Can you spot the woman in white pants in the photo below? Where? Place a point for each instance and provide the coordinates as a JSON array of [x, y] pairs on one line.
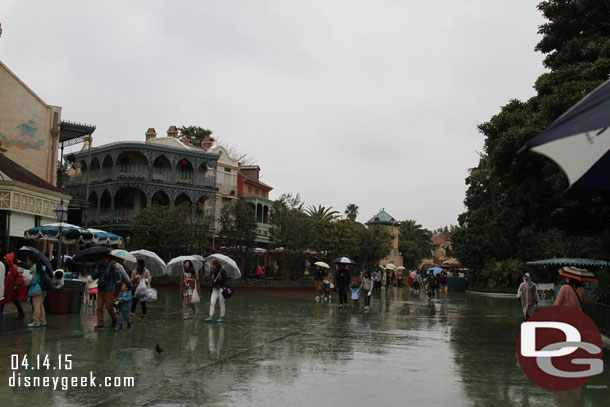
[[218, 277]]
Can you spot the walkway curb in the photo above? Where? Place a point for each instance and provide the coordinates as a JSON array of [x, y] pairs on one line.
[[488, 294]]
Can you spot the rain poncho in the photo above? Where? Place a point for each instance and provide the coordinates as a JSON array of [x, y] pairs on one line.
[[529, 297]]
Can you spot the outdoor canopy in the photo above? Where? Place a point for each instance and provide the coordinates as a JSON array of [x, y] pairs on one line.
[[70, 233], [579, 141], [568, 262]]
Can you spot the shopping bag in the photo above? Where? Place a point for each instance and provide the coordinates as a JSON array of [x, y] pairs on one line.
[[141, 290], [151, 295], [195, 297]]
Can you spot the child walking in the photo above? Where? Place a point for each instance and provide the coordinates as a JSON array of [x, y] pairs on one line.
[[355, 295], [124, 306]]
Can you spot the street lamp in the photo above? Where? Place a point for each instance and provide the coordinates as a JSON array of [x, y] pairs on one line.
[[61, 213], [127, 240]]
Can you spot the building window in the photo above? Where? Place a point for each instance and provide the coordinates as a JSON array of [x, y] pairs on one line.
[[227, 170], [249, 189], [256, 191]]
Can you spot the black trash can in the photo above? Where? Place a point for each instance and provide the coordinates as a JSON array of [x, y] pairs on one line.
[[76, 288]]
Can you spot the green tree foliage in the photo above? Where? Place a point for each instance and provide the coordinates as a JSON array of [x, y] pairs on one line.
[[374, 243], [321, 213], [194, 133], [414, 243], [169, 231], [237, 226], [516, 201], [351, 212]]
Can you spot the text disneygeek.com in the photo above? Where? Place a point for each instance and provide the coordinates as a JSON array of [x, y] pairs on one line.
[[44, 364]]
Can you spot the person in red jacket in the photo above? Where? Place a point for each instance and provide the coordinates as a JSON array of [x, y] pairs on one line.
[[14, 287]]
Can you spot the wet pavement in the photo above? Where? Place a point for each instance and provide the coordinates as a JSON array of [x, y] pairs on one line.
[[285, 349]]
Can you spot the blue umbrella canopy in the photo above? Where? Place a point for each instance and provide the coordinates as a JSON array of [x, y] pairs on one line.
[[579, 141], [568, 262], [101, 237], [70, 233]]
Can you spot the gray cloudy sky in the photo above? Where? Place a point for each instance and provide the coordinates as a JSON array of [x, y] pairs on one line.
[[370, 102]]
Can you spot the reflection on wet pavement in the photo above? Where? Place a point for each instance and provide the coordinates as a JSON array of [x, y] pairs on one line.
[[284, 348]]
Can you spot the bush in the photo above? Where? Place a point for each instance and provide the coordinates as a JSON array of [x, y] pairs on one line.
[[500, 276]]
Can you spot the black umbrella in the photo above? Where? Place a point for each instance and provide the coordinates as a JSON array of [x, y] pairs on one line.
[[91, 254], [579, 141], [25, 251]]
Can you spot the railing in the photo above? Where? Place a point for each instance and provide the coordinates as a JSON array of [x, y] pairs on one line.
[[145, 173], [126, 215], [600, 313]]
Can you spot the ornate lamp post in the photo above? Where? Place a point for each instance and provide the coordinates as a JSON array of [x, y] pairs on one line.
[[61, 213], [127, 241]]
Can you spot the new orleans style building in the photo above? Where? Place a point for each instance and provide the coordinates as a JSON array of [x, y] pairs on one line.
[[115, 180]]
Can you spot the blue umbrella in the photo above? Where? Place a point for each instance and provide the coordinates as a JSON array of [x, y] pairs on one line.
[[344, 260], [579, 141], [435, 270], [101, 237], [25, 251], [70, 233]]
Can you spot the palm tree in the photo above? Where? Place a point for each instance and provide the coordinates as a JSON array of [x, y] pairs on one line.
[[351, 211], [322, 213], [410, 231]]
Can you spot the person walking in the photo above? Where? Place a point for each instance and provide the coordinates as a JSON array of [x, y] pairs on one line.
[[12, 286], [91, 290], [189, 282], [318, 277], [571, 295], [342, 282], [218, 277], [366, 287], [528, 295], [125, 306], [108, 277], [431, 285], [326, 284], [140, 273], [36, 292]]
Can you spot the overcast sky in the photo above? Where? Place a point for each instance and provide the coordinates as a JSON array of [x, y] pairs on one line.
[[370, 102]]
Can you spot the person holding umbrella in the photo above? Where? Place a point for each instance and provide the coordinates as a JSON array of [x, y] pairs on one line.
[[218, 277], [35, 291], [318, 276], [108, 277], [140, 273], [342, 281], [189, 282], [571, 294]]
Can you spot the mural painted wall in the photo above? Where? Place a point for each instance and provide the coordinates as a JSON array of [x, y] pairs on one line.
[[29, 128]]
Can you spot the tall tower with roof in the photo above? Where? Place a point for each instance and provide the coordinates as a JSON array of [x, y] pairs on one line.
[[385, 220]]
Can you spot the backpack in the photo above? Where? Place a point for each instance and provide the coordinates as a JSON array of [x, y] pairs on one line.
[[45, 281]]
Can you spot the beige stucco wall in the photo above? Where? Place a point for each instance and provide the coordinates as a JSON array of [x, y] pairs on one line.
[[225, 181], [26, 124], [394, 256]]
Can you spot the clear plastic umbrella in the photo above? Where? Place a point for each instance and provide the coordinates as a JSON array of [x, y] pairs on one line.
[[228, 265], [155, 264], [175, 266]]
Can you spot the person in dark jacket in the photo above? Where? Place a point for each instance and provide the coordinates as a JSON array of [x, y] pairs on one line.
[[108, 276], [342, 282], [218, 277]]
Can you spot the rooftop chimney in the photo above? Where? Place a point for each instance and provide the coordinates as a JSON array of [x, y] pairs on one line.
[[172, 132], [207, 143], [150, 134]]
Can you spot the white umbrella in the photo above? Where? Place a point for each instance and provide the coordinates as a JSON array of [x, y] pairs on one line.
[[175, 266], [155, 264], [228, 265], [390, 266], [401, 268], [321, 264]]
